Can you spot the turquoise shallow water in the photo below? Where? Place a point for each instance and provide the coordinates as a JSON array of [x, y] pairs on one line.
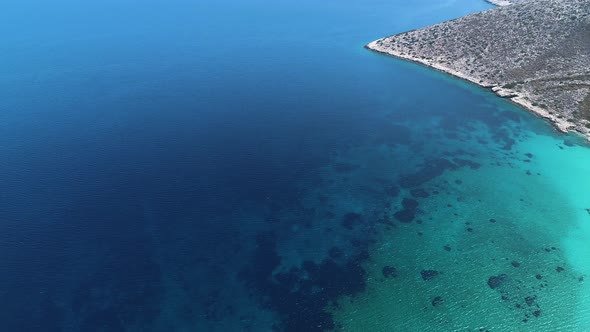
[[248, 166], [521, 215]]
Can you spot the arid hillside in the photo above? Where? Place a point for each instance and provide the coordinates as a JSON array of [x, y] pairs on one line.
[[537, 53]]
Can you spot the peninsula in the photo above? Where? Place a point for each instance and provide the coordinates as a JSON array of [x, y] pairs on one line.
[[535, 53]]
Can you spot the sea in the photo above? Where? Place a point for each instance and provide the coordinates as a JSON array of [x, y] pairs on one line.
[[246, 165]]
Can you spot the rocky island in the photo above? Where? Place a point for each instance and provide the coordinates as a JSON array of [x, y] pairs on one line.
[[535, 53]]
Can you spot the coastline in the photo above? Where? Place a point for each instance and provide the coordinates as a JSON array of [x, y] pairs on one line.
[[517, 98], [497, 50]]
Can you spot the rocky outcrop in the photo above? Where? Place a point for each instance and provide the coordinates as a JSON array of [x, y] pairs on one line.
[[535, 53]]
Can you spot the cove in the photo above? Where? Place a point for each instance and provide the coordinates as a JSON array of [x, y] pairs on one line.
[[248, 166]]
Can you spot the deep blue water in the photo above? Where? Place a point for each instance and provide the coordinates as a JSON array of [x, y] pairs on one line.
[[156, 155]]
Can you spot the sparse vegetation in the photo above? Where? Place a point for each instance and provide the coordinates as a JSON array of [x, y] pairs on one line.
[[508, 47], [510, 85]]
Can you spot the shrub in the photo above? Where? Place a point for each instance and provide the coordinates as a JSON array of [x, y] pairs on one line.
[[509, 85]]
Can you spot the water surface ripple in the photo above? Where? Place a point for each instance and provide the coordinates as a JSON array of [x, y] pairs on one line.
[[247, 166]]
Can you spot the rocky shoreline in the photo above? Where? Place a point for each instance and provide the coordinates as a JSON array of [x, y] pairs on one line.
[[559, 124], [541, 62]]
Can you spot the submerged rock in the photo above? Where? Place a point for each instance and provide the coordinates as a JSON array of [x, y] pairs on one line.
[[497, 281], [351, 219], [392, 191], [430, 170], [410, 203], [419, 192], [300, 296], [437, 301], [530, 300], [468, 163], [389, 271], [405, 215], [429, 274]]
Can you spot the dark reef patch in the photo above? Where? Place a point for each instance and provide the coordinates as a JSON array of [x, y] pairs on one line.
[[512, 116], [410, 204], [429, 274], [430, 170], [530, 300], [263, 261], [389, 271], [497, 281], [392, 190], [405, 216], [351, 219], [437, 301], [464, 162], [408, 213], [516, 294], [502, 137], [300, 296], [419, 193]]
